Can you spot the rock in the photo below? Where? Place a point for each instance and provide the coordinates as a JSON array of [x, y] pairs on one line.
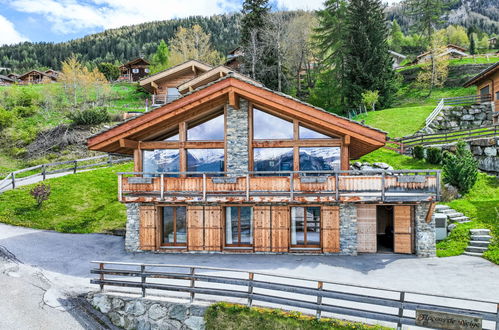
[[467, 117], [196, 310], [357, 165], [383, 166], [490, 151], [451, 227], [477, 151], [449, 193], [195, 323], [117, 319], [118, 303], [167, 324], [143, 325], [178, 312], [102, 303], [367, 168], [157, 311], [136, 308]]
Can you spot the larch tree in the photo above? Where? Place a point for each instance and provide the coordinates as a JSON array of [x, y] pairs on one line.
[[160, 58], [193, 44], [434, 74], [396, 39], [368, 63]]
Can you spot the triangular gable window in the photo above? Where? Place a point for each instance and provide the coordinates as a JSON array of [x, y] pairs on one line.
[[306, 133], [211, 130], [269, 127]]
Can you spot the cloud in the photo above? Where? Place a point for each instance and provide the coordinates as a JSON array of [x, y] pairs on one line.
[[9, 34], [300, 4]]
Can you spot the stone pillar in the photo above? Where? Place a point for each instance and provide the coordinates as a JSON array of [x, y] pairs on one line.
[[348, 229], [425, 232], [132, 243], [237, 137]]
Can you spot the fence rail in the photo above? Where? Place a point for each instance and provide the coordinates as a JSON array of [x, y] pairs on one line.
[[312, 295], [459, 100], [14, 178]]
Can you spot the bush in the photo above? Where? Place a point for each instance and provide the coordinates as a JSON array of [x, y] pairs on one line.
[[25, 111], [418, 152], [434, 155], [92, 116], [40, 193], [6, 118], [460, 169]]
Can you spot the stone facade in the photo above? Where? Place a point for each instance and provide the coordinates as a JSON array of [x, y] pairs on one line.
[[462, 117], [132, 227], [146, 314], [425, 232], [237, 136], [348, 229]]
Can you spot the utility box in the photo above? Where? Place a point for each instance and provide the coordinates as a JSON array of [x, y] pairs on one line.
[[440, 226]]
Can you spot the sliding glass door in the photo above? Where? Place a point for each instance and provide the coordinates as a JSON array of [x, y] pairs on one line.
[[174, 223], [305, 227], [238, 226]]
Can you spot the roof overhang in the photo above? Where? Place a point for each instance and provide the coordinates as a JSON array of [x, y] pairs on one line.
[[483, 75], [146, 127]]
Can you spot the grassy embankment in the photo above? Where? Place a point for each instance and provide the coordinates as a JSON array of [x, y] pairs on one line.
[[479, 59]]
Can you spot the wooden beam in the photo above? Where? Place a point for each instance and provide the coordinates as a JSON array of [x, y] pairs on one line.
[[154, 85], [130, 144], [296, 143], [345, 153], [233, 100], [430, 212], [186, 145]]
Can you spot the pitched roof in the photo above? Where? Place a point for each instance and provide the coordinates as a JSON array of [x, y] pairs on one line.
[[35, 71], [135, 61], [174, 69], [364, 139], [2, 77], [483, 74], [396, 54]]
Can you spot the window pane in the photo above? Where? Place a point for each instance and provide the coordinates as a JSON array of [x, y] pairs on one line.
[[238, 225], [306, 133], [168, 235], [297, 226], [273, 159], [319, 159], [246, 225], [229, 231], [161, 160], [181, 225], [205, 160], [313, 225], [211, 130], [266, 126]]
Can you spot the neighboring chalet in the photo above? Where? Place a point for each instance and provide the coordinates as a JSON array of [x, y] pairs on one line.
[[234, 58], [13, 76], [451, 51], [232, 166], [493, 43], [134, 70], [52, 72], [6, 80], [397, 59], [36, 77], [487, 83]]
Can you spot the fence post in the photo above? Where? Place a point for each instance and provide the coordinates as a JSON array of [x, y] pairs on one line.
[[75, 167], [101, 277], [250, 289], [192, 283], [13, 180], [437, 188], [120, 187], [247, 187], [291, 186], [337, 186], [320, 284], [110, 159], [401, 310], [162, 186], [204, 187], [43, 172], [143, 279]]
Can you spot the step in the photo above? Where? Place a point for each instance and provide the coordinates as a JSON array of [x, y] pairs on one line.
[[459, 219], [455, 214], [474, 254], [476, 249], [439, 208], [448, 211], [481, 237], [479, 243], [480, 231]]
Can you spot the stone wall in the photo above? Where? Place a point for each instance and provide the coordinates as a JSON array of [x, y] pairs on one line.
[[458, 74], [462, 117], [132, 227], [425, 232], [237, 138], [146, 314], [348, 229]]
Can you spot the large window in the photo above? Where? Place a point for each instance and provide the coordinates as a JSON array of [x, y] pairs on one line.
[[238, 226], [174, 226], [266, 126], [273, 159], [205, 160], [306, 133], [305, 226], [161, 160], [211, 130], [320, 159]]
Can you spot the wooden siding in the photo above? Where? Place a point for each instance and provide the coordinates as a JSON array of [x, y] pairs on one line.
[[493, 82], [402, 225], [262, 228], [213, 228], [330, 229], [280, 219], [148, 227], [366, 228], [195, 228]]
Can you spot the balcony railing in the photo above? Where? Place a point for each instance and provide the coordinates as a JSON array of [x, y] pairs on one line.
[[284, 186], [163, 99]]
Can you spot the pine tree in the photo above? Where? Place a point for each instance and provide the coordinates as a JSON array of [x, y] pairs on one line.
[[427, 15], [254, 18], [160, 58], [396, 37], [472, 44], [368, 63]]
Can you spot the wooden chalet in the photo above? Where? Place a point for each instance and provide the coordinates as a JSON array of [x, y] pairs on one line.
[[164, 84], [5, 80], [52, 72], [235, 167], [397, 59], [487, 83], [234, 58], [451, 51], [36, 77], [134, 70], [13, 76]]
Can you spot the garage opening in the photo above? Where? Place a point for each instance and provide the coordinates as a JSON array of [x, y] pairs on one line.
[[384, 228]]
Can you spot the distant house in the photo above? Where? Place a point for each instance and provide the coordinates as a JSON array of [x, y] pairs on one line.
[[234, 58], [451, 50], [397, 59], [487, 83], [5, 80], [14, 76], [53, 73], [36, 77], [493, 43], [134, 70]]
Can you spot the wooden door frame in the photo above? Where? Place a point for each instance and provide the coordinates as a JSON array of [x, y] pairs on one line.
[[159, 234], [303, 247], [224, 228]]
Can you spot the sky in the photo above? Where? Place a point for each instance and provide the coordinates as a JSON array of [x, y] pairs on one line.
[[62, 20]]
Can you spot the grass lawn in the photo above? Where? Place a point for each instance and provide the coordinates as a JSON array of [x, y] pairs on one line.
[[480, 59], [85, 202], [410, 96], [398, 122]]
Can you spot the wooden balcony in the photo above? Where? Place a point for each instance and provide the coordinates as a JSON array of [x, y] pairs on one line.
[[288, 187]]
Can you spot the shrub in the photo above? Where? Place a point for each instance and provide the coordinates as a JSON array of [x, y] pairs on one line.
[[6, 118], [460, 169], [418, 152], [25, 111], [434, 155], [40, 193], [91, 116]]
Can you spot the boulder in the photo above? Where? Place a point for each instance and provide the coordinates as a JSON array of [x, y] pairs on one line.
[[178, 312], [477, 151], [118, 303], [490, 151], [157, 312], [117, 319], [136, 308], [102, 303], [451, 227], [195, 323], [449, 193]]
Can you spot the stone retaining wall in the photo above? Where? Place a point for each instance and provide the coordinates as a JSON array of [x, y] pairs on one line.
[[463, 117], [146, 314], [425, 232], [348, 229]]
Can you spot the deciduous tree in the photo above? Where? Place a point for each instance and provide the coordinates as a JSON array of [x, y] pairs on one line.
[[160, 58], [193, 44]]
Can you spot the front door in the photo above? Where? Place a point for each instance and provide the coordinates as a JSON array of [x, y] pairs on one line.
[[366, 228], [402, 225]]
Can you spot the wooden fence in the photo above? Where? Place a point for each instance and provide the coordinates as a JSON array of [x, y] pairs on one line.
[[285, 291], [460, 100], [12, 179]]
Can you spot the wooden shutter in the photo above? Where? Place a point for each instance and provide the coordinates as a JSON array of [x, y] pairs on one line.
[[261, 228], [195, 222], [366, 228], [148, 227], [212, 228], [280, 228], [402, 226], [330, 229]]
